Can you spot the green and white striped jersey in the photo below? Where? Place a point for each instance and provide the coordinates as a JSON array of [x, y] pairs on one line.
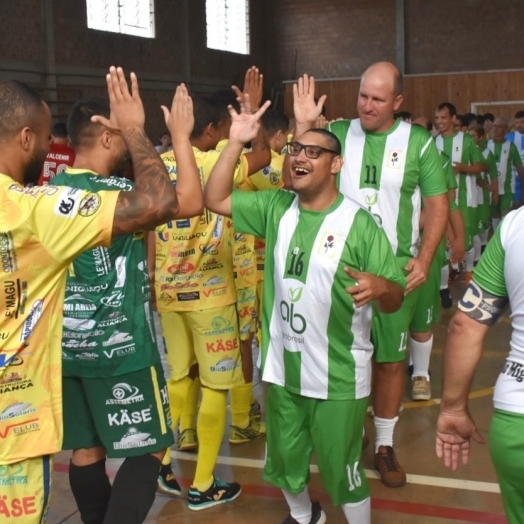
[[484, 195], [314, 341], [388, 173], [462, 148], [507, 156]]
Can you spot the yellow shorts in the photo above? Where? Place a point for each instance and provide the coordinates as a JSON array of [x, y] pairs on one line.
[[246, 308], [208, 338], [25, 488]]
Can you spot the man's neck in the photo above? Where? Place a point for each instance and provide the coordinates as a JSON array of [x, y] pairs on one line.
[[449, 132], [90, 162], [319, 202]]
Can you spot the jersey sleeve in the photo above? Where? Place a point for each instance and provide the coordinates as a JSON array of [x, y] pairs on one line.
[[432, 176], [489, 272], [70, 220], [451, 181], [210, 158], [515, 156], [250, 210], [475, 154], [376, 254]]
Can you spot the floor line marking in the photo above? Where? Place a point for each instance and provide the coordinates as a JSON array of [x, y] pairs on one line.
[[424, 480]]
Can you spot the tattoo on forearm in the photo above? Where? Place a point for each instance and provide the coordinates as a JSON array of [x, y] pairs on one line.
[[482, 306], [145, 206]]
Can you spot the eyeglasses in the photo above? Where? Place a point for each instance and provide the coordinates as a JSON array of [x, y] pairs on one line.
[[294, 148]]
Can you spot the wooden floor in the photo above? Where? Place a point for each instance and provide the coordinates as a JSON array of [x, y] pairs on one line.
[[433, 494]]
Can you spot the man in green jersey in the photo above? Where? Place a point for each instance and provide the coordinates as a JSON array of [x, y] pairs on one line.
[[115, 396], [389, 166], [467, 163], [508, 158], [328, 260], [487, 189]]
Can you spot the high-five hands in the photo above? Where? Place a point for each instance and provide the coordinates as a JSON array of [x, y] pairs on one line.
[[306, 109], [180, 119]]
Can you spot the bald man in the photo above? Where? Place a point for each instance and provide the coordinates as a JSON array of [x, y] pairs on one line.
[[389, 166]]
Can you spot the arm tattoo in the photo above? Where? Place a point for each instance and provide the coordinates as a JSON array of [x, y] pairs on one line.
[[482, 306], [153, 201]]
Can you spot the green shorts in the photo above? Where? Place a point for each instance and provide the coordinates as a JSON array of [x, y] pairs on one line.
[[389, 331], [128, 415], [471, 225], [506, 445], [484, 217], [427, 310], [297, 426], [504, 206]]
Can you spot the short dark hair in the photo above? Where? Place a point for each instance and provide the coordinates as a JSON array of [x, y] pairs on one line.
[[477, 128], [449, 106], [206, 112], [20, 106], [471, 117], [79, 126], [480, 119], [224, 98], [463, 119], [519, 114], [59, 130], [274, 121], [489, 116], [403, 115], [334, 142]]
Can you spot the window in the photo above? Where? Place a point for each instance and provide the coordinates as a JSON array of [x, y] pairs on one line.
[[132, 17], [228, 25]]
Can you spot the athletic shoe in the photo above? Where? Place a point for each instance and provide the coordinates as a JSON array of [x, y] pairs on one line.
[[219, 493], [317, 516], [255, 411], [445, 298], [420, 388], [252, 431], [186, 440], [391, 472], [167, 484]]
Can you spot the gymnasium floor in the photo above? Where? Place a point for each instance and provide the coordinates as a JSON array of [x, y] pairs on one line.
[[433, 495]]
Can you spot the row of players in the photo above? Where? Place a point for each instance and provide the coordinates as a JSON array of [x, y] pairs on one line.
[[110, 358]]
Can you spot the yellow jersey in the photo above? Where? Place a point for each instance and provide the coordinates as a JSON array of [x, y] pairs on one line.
[[42, 229], [194, 262]]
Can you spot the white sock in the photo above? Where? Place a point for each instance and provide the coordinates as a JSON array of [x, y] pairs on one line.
[[477, 246], [483, 238], [421, 352], [358, 513], [444, 277], [299, 505], [495, 223], [470, 259], [384, 428], [455, 266]]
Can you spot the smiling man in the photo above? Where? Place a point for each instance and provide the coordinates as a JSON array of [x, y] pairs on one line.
[[389, 166], [322, 250]]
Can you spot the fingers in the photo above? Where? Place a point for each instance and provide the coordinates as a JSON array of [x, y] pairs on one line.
[[134, 86], [263, 109], [167, 114], [121, 89], [102, 120], [110, 89], [352, 273]]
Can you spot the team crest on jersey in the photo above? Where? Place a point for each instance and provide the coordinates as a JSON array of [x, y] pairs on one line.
[[329, 243], [163, 236], [395, 159]]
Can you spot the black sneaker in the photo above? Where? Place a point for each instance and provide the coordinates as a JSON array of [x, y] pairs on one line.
[[219, 493], [167, 484], [317, 515], [445, 298]]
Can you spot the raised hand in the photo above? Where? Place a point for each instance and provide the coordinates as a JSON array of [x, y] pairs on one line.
[[127, 110], [180, 120], [246, 124], [368, 287], [254, 87], [304, 106]]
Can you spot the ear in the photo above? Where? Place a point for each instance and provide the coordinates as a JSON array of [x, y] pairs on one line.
[[398, 102], [336, 164], [26, 138], [105, 139]]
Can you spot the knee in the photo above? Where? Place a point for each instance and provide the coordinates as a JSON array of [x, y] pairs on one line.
[[88, 456]]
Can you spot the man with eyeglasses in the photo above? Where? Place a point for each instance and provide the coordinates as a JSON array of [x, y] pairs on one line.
[[329, 260], [389, 166]]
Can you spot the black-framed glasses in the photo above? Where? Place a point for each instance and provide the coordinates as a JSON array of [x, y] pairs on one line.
[[294, 148]]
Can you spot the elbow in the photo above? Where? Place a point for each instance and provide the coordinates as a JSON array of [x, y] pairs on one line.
[[392, 301]]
